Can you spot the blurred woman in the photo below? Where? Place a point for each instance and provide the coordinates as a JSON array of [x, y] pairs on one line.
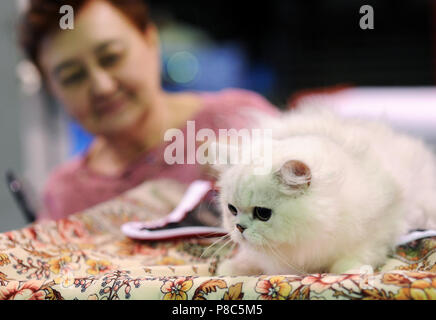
[[106, 73]]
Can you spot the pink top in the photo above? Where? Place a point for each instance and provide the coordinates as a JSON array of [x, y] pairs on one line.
[[73, 186]]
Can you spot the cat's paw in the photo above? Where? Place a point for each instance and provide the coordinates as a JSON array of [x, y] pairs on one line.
[[226, 268], [352, 271], [234, 268], [347, 266]]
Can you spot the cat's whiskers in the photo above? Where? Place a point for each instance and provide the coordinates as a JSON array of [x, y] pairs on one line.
[[215, 243], [270, 250], [278, 255], [215, 254]]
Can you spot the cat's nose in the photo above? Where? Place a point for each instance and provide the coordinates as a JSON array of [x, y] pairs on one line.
[[240, 228]]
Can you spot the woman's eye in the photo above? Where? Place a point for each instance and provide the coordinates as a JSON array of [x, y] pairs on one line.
[[263, 214], [232, 209], [109, 60], [74, 78]]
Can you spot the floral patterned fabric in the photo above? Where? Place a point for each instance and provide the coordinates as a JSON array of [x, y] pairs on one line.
[[87, 257]]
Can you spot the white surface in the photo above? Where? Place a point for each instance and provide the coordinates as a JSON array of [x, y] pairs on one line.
[[133, 230], [410, 109]]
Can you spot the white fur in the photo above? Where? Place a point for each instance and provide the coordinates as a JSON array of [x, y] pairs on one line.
[[369, 185]]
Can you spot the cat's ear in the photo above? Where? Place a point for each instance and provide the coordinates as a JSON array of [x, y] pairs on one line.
[[295, 174]]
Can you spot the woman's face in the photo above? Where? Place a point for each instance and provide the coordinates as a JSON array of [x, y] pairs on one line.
[[104, 71]]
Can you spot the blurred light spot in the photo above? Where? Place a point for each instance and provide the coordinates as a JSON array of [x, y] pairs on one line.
[[182, 67], [30, 79]]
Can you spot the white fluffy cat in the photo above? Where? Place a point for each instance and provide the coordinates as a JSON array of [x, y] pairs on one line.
[[340, 193]]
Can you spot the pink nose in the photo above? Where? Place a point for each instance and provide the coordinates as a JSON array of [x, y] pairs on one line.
[[240, 228]]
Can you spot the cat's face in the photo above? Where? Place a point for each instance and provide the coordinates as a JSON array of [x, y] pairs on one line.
[[265, 210], [291, 204]]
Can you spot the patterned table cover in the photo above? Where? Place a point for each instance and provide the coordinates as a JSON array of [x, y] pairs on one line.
[[86, 257]]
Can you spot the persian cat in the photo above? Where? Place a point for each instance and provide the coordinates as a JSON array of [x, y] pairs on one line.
[[340, 193]]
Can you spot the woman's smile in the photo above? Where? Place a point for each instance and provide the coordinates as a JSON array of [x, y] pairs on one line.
[[111, 105]]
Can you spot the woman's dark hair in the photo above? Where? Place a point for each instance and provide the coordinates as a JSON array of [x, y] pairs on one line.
[[42, 19]]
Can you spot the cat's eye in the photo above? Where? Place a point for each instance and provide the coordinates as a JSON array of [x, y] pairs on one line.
[[232, 209], [263, 214]]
